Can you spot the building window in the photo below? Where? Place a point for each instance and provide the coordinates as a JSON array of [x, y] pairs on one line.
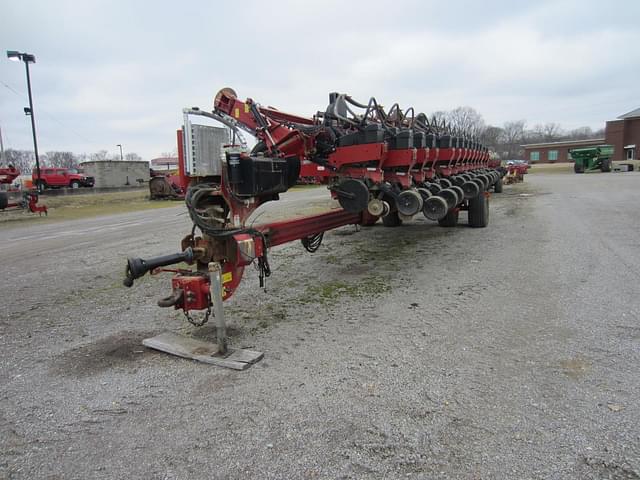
[[534, 156], [552, 155]]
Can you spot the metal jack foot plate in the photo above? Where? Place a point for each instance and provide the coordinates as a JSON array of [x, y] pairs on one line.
[[206, 352]]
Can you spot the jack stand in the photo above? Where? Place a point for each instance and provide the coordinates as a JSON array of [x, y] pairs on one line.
[[207, 352]]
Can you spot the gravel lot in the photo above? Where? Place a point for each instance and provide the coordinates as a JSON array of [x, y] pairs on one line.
[[418, 352]]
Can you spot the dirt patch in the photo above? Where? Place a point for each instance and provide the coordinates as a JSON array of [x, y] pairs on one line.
[[615, 469], [208, 332], [576, 367], [115, 351]]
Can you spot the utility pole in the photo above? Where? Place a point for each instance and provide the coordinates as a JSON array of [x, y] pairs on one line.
[[2, 158], [28, 58]]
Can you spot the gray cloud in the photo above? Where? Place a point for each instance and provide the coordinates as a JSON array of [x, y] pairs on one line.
[[120, 72]]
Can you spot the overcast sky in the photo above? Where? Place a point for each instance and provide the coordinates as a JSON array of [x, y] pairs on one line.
[[121, 71]]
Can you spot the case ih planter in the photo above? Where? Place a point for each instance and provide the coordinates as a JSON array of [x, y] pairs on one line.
[[379, 164]]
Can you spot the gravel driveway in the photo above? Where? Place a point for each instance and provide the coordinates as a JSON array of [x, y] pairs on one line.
[[416, 352]]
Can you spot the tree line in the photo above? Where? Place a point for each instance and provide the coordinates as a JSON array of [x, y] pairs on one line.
[[506, 140], [25, 160]]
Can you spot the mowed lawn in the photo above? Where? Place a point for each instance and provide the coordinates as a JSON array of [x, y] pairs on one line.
[[70, 207], [552, 168]]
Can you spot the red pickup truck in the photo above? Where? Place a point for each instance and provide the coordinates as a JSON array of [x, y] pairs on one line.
[[61, 177]]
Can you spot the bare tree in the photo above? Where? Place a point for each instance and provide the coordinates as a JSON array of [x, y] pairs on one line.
[[552, 131], [492, 138], [466, 121], [23, 160], [132, 157], [438, 118], [171, 154], [61, 159], [512, 137], [101, 156], [581, 133]]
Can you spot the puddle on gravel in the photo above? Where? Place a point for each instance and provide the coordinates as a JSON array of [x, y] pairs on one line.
[[119, 350], [576, 367]]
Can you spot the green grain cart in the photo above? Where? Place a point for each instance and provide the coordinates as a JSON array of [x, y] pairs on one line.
[[592, 158]]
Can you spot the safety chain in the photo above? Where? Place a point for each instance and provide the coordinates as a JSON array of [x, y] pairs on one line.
[[205, 319], [264, 271]]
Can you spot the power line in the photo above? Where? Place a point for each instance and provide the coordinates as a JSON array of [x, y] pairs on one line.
[[51, 117], [12, 89]]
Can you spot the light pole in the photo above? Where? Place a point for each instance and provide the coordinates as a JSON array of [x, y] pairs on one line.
[[1, 148], [28, 58], [121, 159]]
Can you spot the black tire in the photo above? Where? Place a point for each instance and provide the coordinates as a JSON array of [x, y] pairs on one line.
[[459, 192], [605, 166], [445, 183], [40, 185], [450, 219], [434, 188], [449, 196], [4, 200], [392, 219], [577, 168], [409, 202], [355, 197], [74, 184], [497, 187], [435, 208], [458, 180], [479, 211], [471, 190], [424, 193], [480, 184]]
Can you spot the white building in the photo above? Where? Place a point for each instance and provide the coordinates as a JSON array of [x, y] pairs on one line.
[[117, 173]]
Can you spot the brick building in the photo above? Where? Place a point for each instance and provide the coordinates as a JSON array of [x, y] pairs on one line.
[[165, 163], [556, 152], [624, 135]]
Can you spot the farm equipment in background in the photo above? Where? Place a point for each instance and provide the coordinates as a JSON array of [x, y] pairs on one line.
[[166, 185], [377, 163], [589, 159], [515, 171], [27, 199]]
